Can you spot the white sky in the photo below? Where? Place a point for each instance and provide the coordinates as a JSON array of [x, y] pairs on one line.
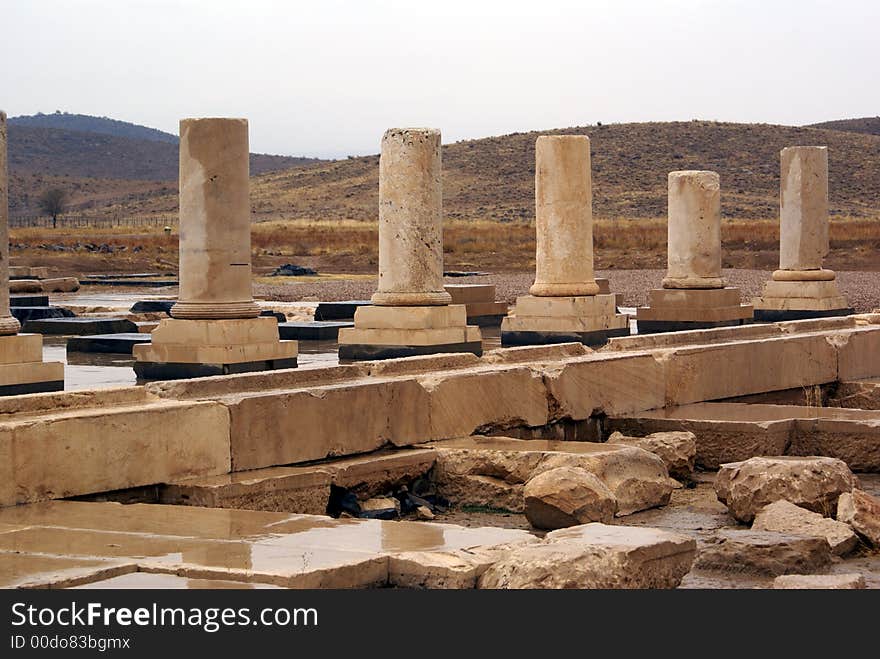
[[327, 77]]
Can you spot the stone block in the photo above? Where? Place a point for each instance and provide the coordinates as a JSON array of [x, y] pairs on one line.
[[279, 489], [107, 343], [764, 552], [785, 517], [60, 285], [691, 299], [321, 421], [739, 368], [312, 331], [596, 556], [849, 581], [471, 293], [171, 440], [81, 326], [28, 300], [814, 483], [18, 348], [604, 384], [862, 512], [339, 310], [31, 377], [859, 353], [452, 316]]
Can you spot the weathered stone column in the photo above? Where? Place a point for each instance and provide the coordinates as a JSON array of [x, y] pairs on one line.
[[803, 214], [410, 219], [694, 230], [8, 323], [802, 288], [215, 231], [694, 295], [215, 328], [563, 217]]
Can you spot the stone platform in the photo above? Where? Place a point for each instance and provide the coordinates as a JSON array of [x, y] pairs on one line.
[[22, 369], [82, 325], [312, 331], [677, 309], [381, 332], [590, 319], [796, 300], [122, 343], [479, 301], [182, 349]]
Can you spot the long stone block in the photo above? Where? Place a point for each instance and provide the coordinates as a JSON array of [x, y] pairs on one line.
[[859, 354], [452, 316], [18, 348], [86, 450], [470, 293], [287, 427], [604, 384], [739, 368]]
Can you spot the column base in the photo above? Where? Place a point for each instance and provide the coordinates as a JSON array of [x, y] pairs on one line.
[[588, 319], [676, 310], [391, 332], [197, 348], [22, 369], [799, 300]]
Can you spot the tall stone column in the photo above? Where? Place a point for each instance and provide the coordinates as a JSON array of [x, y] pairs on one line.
[[215, 328], [215, 222], [22, 369], [803, 214], [563, 217], [411, 312], [410, 219], [565, 303], [694, 231], [8, 323], [693, 294], [802, 288]]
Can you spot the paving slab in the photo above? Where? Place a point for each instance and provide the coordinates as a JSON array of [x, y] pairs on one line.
[[121, 343], [319, 330], [81, 326], [28, 300]]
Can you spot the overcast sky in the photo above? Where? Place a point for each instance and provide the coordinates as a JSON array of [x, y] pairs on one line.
[[326, 77]]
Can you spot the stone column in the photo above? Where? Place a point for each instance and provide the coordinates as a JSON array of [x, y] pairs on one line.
[[694, 230], [563, 217], [410, 220], [215, 231], [8, 323], [803, 214]]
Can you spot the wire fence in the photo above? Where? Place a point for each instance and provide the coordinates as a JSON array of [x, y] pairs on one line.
[[83, 221]]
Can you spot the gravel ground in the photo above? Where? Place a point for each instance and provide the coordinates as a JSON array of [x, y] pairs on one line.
[[862, 289]]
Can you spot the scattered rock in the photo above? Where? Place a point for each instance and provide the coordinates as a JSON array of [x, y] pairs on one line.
[[25, 286], [862, 512], [291, 270], [677, 449], [492, 471], [813, 483], [596, 556], [567, 496], [819, 582], [457, 569], [764, 552], [785, 517], [423, 512]]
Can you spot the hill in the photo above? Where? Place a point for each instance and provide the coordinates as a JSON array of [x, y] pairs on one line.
[[97, 167], [869, 125], [85, 123], [493, 178]]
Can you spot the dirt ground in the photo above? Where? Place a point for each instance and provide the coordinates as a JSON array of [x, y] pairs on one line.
[[861, 288]]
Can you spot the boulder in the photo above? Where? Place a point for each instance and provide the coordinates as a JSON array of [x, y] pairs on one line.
[[491, 470], [60, 285], [819, 582], [567, 496], [785, 517], [596, 556], [811, 482], [677, 449], [764, 552], [862, 512], [25, 286]]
